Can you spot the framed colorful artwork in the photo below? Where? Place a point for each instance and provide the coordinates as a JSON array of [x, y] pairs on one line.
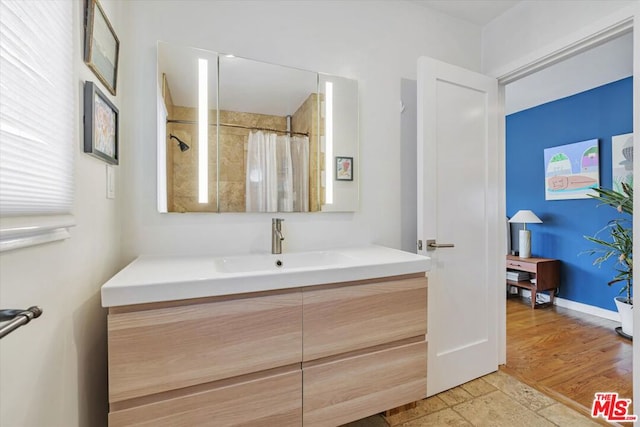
[[100, 125], [621, 160], [572, 171], [344, 168]]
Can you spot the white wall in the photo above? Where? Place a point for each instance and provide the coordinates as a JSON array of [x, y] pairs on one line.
[[524, 32], [409, 182], [375, 42], [598, 66], [53, 370]]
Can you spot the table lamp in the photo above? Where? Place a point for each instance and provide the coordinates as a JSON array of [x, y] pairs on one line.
[[524, 217]]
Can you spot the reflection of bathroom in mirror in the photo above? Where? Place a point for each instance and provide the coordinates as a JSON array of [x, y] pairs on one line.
[[268, 138], [273, 135], [187, 178]]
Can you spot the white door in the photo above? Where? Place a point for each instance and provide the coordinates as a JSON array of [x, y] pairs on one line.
[[458, 187]]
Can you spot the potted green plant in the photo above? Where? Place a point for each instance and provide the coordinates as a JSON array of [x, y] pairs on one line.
[[619, 246]]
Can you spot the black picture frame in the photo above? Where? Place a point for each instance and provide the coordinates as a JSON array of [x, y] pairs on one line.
[[101, 125], [344, 168], [101, 46]]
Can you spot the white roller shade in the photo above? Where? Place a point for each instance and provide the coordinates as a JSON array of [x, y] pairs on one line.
[[37, 108]]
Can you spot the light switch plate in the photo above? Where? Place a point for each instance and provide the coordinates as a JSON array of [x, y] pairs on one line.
[[111, 183]]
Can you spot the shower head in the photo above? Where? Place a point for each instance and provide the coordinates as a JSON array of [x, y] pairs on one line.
[[183, 146]]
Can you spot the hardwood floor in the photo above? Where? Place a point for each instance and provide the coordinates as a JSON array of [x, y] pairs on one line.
[[567, 354]]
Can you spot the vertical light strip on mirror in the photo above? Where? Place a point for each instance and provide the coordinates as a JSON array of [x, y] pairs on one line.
[[217, 141], [328, 123], [203, 132]]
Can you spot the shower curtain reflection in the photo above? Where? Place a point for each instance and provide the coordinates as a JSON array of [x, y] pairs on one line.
[[300, 163], [285, 179], [276, 181]]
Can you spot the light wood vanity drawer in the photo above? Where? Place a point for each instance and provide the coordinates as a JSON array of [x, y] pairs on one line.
[[270, 401], [157, 350], [347, 318], [348, 389]]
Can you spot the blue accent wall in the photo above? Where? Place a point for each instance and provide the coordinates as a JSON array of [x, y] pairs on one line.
[[598, 113]]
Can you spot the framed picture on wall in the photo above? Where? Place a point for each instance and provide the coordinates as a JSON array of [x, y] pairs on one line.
[[101, 46], [621, 160], [100, 125], [572, 171], [344, 168]]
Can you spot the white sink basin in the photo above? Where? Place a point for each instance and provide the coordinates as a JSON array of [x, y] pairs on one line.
[[280, 262], [154, 279]]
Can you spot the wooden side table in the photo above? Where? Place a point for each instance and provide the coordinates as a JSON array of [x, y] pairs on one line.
[[546, 272]]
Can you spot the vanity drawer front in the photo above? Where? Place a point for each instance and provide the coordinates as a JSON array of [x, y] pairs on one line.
[[355, 387], [351, 317], [521, 265], [163, 349], [270, 401]]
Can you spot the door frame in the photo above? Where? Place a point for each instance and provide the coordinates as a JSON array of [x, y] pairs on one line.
[[593, 35]]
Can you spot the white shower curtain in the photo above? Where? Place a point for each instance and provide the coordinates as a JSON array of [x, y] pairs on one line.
[[285, 174], [262, 174], [300, 163], [276, 181], [277, 177]]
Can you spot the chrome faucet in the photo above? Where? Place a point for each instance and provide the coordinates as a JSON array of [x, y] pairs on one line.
[[276, 235]]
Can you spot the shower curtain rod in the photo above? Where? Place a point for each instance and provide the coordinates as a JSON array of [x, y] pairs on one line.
[[193, 122]]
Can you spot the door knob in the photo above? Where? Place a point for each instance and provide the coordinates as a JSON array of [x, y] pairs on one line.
[[432, 245]]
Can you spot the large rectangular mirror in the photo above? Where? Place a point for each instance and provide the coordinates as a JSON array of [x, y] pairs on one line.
[[278, 139]]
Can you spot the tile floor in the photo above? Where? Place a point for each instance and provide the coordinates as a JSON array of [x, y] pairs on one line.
[[495, 400]]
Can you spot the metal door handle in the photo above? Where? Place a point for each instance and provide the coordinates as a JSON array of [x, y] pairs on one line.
[[432, 245]]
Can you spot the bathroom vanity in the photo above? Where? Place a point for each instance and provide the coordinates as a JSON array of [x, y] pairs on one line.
[[322, 339]]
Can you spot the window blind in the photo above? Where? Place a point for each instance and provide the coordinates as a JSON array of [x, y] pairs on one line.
[[37, 108]]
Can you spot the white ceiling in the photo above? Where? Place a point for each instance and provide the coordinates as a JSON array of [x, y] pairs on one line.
[[479, 12]]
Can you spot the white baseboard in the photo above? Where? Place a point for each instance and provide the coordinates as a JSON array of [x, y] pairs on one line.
[[577, 306]]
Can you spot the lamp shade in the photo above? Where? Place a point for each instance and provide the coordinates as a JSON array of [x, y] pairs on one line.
[[525, 216]]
